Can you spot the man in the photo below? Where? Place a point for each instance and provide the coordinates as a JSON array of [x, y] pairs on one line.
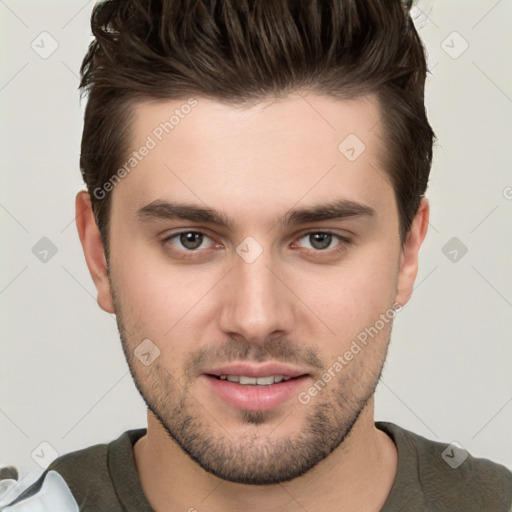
[[256, 174]]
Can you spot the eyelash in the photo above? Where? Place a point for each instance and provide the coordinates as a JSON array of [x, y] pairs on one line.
[[188, 253]]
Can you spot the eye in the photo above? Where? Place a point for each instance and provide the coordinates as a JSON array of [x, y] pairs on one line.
[[322, 240], [189, 240], [192, 243]]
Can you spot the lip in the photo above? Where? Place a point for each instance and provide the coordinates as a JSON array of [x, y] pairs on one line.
[[253, 397]]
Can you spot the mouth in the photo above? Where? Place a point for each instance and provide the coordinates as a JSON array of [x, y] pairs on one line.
[[255, 387], [244, 380]]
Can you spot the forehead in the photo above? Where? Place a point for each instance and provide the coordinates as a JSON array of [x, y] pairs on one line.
[[302, 148]]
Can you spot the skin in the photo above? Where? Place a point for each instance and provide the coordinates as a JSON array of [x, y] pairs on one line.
[[295, 303]]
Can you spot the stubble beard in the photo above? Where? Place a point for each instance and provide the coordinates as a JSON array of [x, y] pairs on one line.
[[253, 458]]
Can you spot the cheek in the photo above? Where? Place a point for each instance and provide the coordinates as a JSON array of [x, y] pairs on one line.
[[162, 302], [354, 295], [157, 292]]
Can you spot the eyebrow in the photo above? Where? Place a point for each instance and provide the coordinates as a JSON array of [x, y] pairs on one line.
[[333, 210]]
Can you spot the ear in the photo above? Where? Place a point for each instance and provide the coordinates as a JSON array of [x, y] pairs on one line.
[[410, 249], [94, 251]]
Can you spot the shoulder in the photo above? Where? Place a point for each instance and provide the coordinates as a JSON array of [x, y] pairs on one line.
[[85, 474], [88, 471], [447, 476]]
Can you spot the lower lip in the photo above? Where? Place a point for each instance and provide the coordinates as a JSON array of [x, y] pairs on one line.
[[256, 398]]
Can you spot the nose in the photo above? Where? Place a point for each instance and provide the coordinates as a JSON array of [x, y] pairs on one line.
[[256, 302]]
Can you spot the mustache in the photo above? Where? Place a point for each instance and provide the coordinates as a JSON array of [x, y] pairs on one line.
[[278, 349]]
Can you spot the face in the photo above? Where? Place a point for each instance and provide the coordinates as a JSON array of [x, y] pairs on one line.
[[254, 262]]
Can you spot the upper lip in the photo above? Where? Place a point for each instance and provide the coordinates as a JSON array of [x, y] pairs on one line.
[[257, 370]]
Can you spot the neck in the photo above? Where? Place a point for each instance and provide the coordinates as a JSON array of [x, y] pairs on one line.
[[358, 475]]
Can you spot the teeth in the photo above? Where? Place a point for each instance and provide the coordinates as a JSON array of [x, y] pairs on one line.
[[261, 381], [255, 381], [248, 380]]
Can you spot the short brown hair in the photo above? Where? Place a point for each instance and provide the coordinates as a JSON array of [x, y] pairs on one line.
[[242, 51]]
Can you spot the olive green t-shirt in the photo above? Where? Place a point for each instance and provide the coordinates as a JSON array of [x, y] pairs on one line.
[[431, 476]]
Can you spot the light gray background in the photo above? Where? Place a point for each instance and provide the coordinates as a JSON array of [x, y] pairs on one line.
[[64, 380]]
